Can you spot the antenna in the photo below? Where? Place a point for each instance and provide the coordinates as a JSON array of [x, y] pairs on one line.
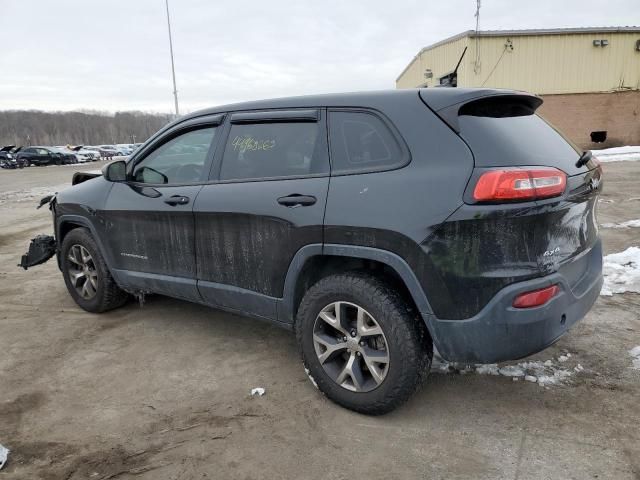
[[451, 80], [455, 71]]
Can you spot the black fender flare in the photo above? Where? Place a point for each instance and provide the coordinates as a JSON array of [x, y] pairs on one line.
[[82, 222], [393, 261]]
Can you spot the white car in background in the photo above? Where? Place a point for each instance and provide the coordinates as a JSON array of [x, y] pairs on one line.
[[112, 149], [95, 151], [81, 156], [90, 155], [125, 148]]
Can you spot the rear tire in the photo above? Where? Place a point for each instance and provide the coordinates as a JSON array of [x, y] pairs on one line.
[[86, 274], [390, 329]]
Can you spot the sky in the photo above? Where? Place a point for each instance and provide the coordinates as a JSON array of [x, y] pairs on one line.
[[114, 55]]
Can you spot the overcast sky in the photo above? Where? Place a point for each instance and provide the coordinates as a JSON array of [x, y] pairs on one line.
[[114, 55]]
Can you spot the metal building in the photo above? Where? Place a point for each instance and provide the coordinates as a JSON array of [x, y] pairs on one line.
[[589, 78]]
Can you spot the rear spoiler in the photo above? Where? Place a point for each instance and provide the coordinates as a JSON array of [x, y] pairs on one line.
[[480, 102]]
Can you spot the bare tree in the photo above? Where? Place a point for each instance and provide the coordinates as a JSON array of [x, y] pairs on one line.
[[33, 127]]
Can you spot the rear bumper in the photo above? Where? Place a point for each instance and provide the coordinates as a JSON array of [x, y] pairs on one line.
[[500, 332]]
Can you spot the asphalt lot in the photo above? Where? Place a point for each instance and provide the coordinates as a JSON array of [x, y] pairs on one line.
[[162, 392]]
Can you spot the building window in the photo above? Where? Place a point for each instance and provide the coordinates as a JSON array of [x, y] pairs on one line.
[[599, 136]]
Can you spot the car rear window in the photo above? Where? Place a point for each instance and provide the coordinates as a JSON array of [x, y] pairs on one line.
[[360, 141], [509, 133], [271, 150]]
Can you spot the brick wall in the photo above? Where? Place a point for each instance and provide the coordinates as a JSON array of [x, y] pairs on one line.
[[579, 114]]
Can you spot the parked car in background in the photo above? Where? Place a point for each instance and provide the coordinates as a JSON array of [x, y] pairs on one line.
[[68, 156], [96, 150], [8, 157], [84, 154], [68, 151], [125, 148], [39, 156], [104, 152], [112, 149]]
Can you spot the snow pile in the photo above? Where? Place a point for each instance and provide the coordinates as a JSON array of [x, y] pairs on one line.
[[618, 154], [635, 353], [628, 224], [30, 194], [259, 391], [543, 373], [4, 453], [621, 272]]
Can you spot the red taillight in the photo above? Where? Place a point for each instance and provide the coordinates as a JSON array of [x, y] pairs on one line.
[[519, 184], [535, 298]]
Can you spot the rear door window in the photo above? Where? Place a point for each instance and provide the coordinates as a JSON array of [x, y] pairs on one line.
[[507, 133], [274, 150], [361, 141]]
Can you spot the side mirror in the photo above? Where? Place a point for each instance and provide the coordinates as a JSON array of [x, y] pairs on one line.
[[115, 171]]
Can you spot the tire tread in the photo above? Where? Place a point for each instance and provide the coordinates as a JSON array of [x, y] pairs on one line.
[[407, 328]]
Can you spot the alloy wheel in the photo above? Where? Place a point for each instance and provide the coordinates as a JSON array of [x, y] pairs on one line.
[[82, 272], [351, 346]]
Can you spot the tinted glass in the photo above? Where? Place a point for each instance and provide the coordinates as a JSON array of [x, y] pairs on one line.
[[362, 141], [512, 135], [267, 150], [180, 160]]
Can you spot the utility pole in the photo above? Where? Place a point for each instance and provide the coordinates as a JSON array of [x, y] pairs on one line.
[[173, 70]]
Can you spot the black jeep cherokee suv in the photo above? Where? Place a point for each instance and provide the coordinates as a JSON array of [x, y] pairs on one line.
[[376, 225]]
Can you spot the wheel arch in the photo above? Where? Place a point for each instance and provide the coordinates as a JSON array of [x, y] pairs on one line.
[[66, 223], [313, 262]]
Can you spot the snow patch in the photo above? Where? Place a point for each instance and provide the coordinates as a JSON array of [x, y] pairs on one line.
[[635, 354], [544, 373], [489, 369], [30, 194], [512, 371], [628, 224], [4, 453], [621, 272], [618, 154], [313, 380]]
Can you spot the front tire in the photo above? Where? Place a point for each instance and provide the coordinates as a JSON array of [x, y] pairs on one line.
[[86, 275], [361, 343]]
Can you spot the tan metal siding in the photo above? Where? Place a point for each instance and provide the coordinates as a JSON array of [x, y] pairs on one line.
[[441, 60], [544, 64]]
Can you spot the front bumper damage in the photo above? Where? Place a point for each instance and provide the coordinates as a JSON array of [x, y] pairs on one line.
[[41, 249]]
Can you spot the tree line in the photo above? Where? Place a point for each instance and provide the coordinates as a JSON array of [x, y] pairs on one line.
[[34, 127]]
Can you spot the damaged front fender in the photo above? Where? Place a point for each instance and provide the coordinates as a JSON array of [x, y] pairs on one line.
[[41, 249]]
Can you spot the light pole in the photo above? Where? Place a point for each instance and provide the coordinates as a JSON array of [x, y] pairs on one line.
[[173, 70]]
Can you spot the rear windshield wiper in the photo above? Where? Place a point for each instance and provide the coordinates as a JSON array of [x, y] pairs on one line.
[[584, 158]]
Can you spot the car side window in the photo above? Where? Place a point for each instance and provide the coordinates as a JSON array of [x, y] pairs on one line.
[[361, 141], [180, 160], [271, 150]]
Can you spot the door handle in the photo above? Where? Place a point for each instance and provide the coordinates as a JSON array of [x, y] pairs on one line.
[[297, 200], [177, 200]]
